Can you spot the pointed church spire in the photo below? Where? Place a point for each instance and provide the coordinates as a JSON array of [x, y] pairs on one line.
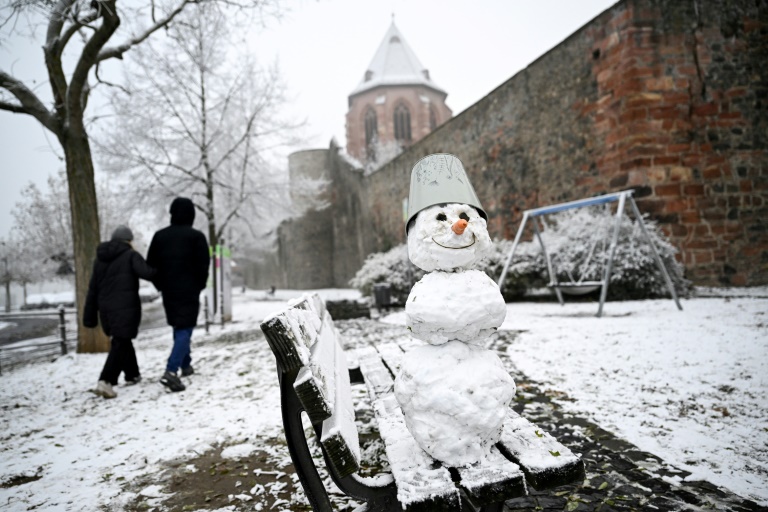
[[395, 105], [394, 64]]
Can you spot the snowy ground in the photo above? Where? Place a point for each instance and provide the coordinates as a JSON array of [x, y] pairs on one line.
[[689, 386]]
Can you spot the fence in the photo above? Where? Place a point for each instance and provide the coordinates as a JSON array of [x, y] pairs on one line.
[[39, 348], [53, 346]]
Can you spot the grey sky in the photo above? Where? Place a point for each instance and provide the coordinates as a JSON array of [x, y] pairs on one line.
[[324, 47]]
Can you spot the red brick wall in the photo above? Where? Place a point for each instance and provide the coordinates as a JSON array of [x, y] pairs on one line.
[[392, 96], [681, 117]]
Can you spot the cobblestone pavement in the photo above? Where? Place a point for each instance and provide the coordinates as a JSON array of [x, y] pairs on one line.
[[619, 476]]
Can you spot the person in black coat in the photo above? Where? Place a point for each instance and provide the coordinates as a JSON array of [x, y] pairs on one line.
[[113, 296], [180, 254]]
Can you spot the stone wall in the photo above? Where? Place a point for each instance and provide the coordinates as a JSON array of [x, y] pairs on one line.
[[667, 97]]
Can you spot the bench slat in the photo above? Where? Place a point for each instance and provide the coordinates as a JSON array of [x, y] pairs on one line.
[[316, 382], [392, 355], [545, 462], [493, 480], [339, 434], [422, 483], [292, 332], [377, 378]]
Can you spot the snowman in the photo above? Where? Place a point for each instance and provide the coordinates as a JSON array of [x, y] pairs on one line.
[[454, 393]]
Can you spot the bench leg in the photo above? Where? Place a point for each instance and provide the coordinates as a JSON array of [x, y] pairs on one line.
[[297, 446]]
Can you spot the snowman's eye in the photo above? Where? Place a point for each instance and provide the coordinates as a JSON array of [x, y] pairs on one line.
[[441, 216], [464, 216]]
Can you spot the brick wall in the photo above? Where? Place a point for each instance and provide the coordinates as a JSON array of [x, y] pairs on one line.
[[664, 96], [383, 101]]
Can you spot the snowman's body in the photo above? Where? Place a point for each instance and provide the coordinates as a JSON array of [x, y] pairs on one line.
[[453, 392], [464, 306]]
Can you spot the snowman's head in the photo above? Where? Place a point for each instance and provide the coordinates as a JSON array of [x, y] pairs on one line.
[[447, 237]]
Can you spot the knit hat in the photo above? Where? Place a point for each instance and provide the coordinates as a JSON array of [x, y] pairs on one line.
[[122, 233]]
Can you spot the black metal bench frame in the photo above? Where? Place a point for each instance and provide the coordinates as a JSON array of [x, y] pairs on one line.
[[313, 382]]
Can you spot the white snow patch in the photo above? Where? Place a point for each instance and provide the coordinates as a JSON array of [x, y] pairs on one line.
[[238, 451]]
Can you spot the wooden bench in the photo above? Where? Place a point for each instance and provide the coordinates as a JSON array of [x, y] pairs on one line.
[[315, 378]]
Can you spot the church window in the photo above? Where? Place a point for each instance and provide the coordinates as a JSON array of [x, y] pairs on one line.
[[402, 123], [371, 127]]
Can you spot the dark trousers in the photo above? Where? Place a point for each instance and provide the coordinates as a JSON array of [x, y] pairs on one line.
[[181, 351], [121, 358]]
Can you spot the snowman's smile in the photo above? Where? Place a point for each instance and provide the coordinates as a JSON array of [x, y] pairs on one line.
[[462, 247]]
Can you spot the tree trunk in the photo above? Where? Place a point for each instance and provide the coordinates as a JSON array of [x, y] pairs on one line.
[[7, 296], [85, 232], [213, 240]]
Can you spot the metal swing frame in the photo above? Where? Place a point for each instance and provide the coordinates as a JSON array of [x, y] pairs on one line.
[[623, 198]]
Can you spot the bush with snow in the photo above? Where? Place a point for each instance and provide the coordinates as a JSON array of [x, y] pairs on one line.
[[527, 269], [392, 267]]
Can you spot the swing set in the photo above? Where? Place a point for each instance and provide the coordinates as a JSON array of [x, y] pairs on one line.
[[576, 285]]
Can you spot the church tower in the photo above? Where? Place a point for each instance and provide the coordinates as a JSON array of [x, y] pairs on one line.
[[395, 104]]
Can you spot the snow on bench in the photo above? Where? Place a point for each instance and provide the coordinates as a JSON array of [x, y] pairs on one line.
[[314, 378]]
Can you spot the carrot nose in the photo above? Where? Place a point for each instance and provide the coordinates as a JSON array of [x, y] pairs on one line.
[[459, 226]]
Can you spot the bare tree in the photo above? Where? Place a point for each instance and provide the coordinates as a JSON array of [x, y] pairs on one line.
[[381, 153], [5, 273], [202, 121], [42, 230], [20, 266], [82, 29], [43, 226]]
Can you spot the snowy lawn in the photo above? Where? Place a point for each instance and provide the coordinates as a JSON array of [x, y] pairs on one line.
[[689, 386]]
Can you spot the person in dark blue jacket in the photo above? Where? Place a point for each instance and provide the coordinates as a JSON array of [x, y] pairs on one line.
[[180, 254], [113, 297]]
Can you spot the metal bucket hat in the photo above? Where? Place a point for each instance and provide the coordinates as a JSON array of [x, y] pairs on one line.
[[437, 179]]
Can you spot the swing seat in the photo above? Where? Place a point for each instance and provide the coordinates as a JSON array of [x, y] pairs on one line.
[[582, 288]]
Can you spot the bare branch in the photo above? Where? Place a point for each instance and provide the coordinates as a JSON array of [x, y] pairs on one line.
[[117, 52], [10, 107], [88, 58], [53, 50], [109, 84], [74, 27], [30, 103]]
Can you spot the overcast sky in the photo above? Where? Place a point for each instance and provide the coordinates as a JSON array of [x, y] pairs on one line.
[[324, 47]]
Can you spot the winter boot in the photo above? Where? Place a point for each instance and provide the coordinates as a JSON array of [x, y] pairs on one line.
[[186, 372], [104, 389], [133, 381], [172, 382]]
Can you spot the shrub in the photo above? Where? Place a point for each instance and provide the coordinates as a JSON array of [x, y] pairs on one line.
[[527, 270], [392, 267]]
